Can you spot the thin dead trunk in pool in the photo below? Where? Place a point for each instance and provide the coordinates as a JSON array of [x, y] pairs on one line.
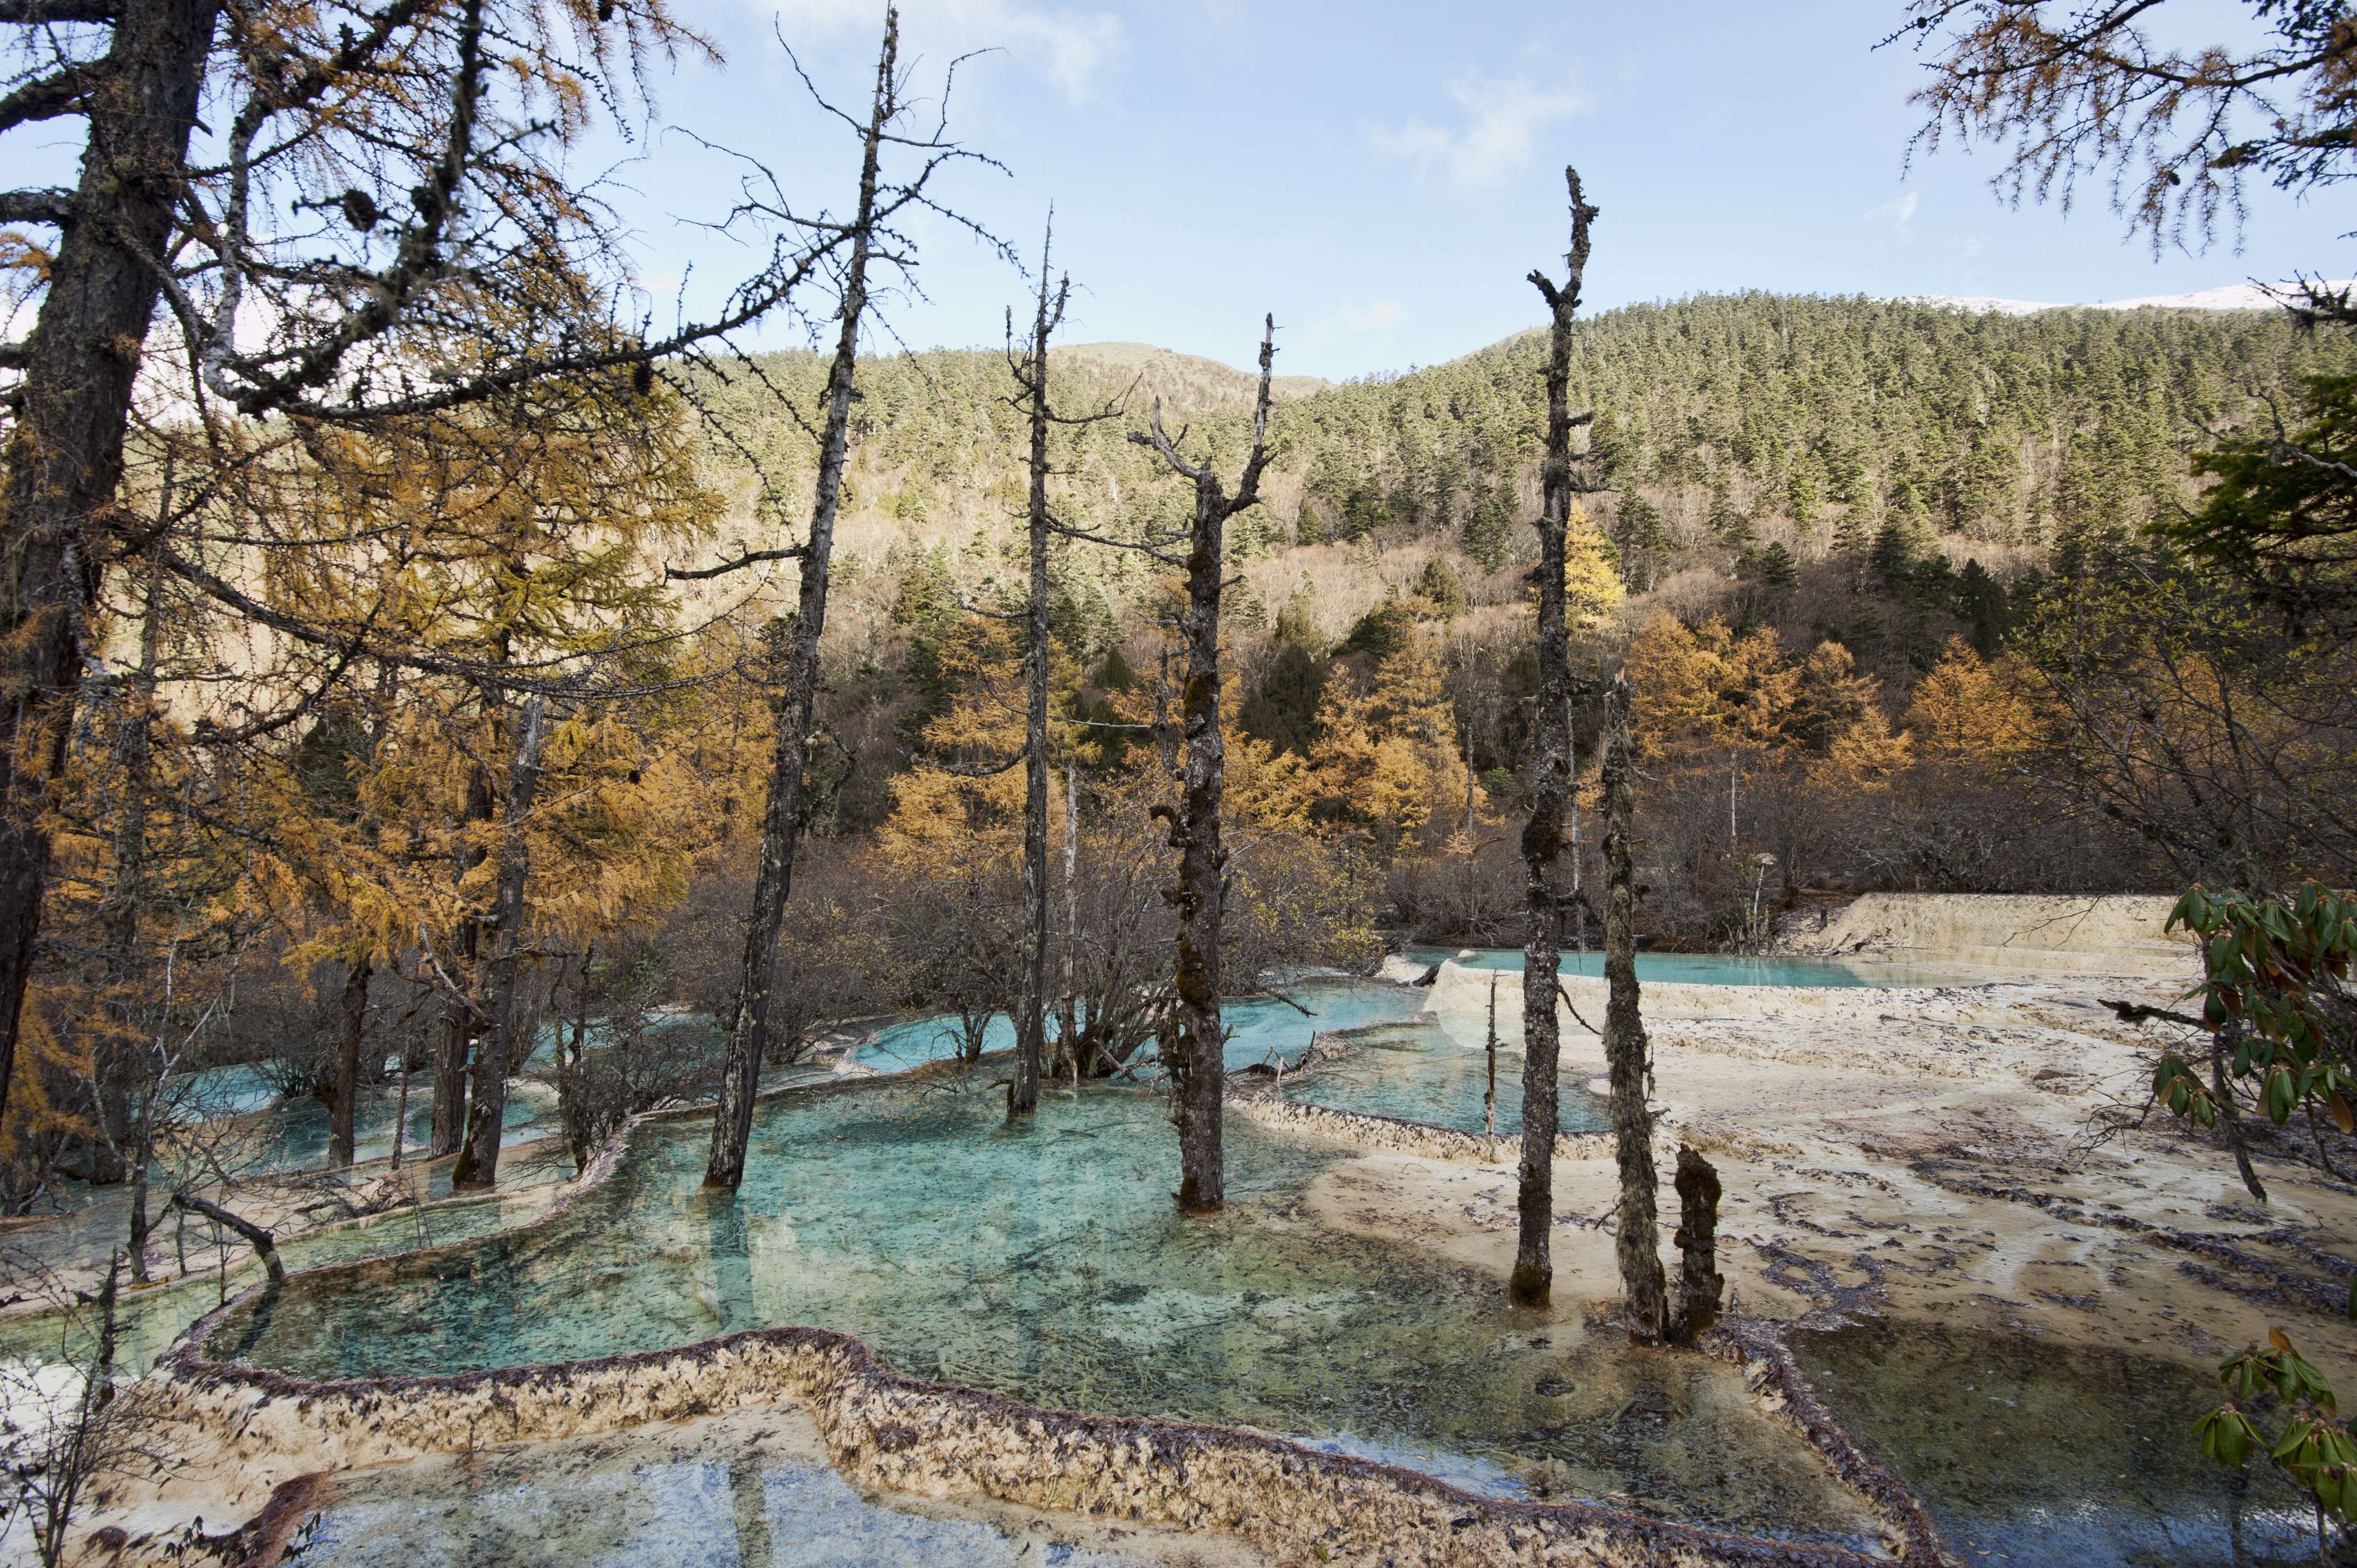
[[1031, 997], [1198, 1072], [342, 1109], [1068, 1055], [1489, 1086], [1699, 1283], [64, 448], [1638, 1240], [460, 1017], [1534, 1275], [478, 1161], [782, 815], [136, 759]]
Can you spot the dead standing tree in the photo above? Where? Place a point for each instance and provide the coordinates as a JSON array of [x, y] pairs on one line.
[[871, 240], [1534, 1275], [1638, 1237], [1198, 1070], [1030, 369]]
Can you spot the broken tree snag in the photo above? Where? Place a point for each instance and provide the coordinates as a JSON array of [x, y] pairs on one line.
[[1198, 1073], [781, 814], [1700, 1282], [1534, 1275], [264, 1246], [1639, 1239]]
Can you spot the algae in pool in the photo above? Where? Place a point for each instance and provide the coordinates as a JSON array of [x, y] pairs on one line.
[[2031, 1453], [1046, 1263]]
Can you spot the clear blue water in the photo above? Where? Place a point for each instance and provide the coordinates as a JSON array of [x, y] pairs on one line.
[[1046, 1260], [1718, 968], [1413, 1070], [1260, 1028]]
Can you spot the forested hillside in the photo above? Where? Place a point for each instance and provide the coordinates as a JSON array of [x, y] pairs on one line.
[[1876, 473]]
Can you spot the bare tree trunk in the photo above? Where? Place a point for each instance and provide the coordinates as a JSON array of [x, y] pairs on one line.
[[478, 1161], [1489, 1085], [1699, 1283], [1639, 1238], [341, 1114], [265, 1246], [1198, 1068], [1031, 1006], [1533, 1276], [64, 455], [459, 1014], [781, 816], [135, 744], [1068, 1055]]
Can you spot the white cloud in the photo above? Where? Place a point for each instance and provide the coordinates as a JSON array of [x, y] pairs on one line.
[[1502, 122], [1072, 49], [1900, 212], [1382, 314]]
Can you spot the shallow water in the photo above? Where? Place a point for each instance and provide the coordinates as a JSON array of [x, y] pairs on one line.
[[1048, 1264], [731, 1494], [1720, 969], [1417, 1071], [152, 1316], [2030, 1453], [1259, 1028]]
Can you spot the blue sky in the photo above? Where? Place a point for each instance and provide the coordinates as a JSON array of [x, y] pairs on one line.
[[1382, 176]]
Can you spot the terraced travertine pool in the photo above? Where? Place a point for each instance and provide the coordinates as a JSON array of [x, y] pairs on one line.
[[1046, 1263]]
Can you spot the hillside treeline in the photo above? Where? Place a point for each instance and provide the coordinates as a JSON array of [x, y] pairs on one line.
[[1851, 555]]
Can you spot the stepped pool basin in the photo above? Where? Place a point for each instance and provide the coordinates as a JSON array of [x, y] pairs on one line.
[[1048, 1264], [1416, 1071], [1722, 969]]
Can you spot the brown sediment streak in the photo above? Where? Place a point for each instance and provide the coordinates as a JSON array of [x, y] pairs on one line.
[[901, 1433], [1392, 1134]]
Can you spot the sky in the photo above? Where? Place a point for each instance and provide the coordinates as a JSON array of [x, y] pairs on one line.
[[1382, 174]]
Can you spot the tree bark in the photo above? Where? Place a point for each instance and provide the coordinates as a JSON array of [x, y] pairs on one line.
[[1699, 1283], [341, 1114], [1199, 1074], [1638, 1240], [1195, 1056], [64, 457], [460, 1017], [1031, 999], [781, 816], [1533, 1276], [478, 1161]]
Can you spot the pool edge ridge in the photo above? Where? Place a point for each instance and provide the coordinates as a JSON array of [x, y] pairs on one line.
[[1400, 1135], [942, 1439]]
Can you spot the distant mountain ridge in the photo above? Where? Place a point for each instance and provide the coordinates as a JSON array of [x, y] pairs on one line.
[[2232, 296]]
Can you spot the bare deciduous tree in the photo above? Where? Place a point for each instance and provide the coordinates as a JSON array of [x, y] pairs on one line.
[[1534, 1275], [1198, 1067]]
